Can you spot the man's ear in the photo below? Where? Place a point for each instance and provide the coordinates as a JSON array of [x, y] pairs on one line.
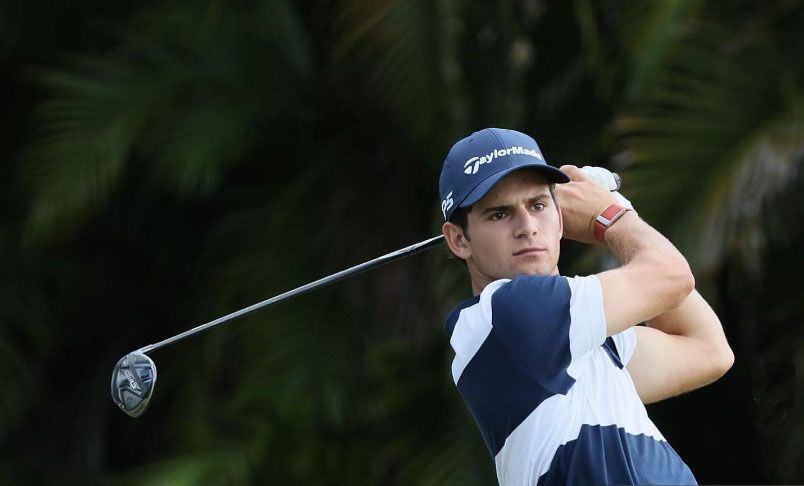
[[456, 240]]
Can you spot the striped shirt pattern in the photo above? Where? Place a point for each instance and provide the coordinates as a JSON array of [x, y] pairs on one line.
[[550, 392]]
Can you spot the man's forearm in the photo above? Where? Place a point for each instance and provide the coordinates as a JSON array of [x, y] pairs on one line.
[[654, 278], [630, 236], [653, 260]]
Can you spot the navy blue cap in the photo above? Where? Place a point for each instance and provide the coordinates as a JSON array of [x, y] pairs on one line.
[[477, 162]]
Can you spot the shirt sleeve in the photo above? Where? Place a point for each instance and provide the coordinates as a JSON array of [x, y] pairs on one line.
[[549, 324], [626, 343]]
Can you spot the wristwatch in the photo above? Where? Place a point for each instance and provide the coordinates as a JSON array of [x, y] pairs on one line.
[[607, 218]]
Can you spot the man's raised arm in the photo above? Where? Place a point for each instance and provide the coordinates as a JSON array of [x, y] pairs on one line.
[[685, 347]]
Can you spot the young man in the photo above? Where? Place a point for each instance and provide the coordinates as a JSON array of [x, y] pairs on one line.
[[553, 368]]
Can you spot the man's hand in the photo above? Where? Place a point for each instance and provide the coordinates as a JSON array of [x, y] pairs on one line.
[[581, 200]]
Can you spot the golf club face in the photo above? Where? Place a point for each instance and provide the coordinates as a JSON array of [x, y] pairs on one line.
[[133, 382]]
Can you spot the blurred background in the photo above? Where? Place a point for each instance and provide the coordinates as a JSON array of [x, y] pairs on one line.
[[166, 163]]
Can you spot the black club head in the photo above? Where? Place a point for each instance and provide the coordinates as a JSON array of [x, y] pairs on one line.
[[133, 382]]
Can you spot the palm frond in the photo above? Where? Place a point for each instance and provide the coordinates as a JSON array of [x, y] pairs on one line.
[[709, 121], [187, 101], [86, 131], [406, 50]]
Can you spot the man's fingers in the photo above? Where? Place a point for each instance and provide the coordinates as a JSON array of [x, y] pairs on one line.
[[574, 173]]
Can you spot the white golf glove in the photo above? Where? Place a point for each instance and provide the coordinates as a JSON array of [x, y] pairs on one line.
[[610, 181]]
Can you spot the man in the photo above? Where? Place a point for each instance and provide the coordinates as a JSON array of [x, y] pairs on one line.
[[554, 369]]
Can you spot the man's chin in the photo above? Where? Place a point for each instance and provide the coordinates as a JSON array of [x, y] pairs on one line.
[[533, 270]]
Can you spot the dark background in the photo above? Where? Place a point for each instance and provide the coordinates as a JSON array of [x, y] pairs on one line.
[[165, 163]]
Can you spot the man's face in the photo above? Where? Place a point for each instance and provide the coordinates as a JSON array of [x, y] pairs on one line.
[[514, 230]]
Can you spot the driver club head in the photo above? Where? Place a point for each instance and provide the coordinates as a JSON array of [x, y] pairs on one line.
[[133, 382]]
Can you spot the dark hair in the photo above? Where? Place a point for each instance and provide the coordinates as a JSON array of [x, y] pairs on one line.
[[460, 217]]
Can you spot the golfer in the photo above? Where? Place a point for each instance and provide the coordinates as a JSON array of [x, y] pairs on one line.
[[556, 370]]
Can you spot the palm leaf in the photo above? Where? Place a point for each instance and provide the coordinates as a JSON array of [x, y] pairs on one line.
[[185, 102], [705, 134]]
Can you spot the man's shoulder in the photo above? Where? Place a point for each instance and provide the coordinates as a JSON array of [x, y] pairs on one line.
[[508, 292], [530, 290], [528, 294]]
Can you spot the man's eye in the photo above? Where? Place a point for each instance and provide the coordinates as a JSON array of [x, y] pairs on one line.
[[497, 216], [539, 206]]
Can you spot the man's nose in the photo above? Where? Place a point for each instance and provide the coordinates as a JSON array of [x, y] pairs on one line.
[[526, 224]]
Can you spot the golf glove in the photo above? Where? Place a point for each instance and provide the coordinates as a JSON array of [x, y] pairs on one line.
[[610, 181]]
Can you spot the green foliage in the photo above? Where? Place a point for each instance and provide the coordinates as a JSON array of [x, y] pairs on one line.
[[719, 136], [185, 99]]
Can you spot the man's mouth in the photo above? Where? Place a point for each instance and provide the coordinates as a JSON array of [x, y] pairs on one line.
[[531, 250]]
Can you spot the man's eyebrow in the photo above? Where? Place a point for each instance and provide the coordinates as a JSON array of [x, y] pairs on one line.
[[504, 207], [544, 195], [496, 209]]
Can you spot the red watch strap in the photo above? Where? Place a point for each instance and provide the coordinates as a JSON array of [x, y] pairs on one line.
[[605, 219]]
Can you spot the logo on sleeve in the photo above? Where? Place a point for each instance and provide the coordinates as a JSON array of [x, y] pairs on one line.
[[472, 165]]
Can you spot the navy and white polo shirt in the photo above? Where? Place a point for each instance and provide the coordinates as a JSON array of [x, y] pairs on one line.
[[550, 392]]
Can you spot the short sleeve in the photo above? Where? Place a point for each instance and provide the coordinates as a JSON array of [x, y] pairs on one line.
[[549, 323], [626, 343]]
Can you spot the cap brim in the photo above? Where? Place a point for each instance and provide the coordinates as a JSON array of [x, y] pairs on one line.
[[553, 176]]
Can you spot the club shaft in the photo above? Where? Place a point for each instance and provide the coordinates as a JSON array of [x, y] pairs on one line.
[[335, 277]]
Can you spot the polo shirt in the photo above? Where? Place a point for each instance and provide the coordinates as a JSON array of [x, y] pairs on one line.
[[549, 390]]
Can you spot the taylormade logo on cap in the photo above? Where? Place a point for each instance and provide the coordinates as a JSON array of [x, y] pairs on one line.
[[472, 165]]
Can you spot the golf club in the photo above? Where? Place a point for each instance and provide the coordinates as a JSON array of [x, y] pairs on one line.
[[134, 375]]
